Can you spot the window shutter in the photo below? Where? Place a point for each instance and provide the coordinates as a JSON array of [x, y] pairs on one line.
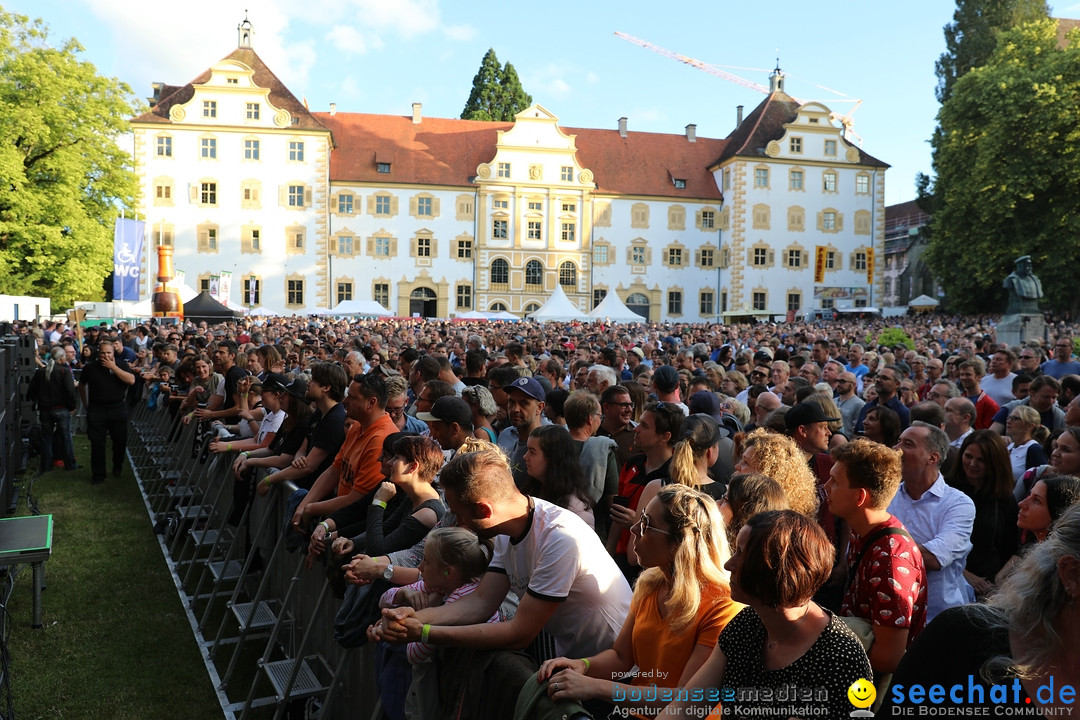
[[371, 246], [839, 221], [371, 205], [334, 200], [307, 197], [283, 195], [393, 205], [435, 210], [393, 246], [414, 247], [772, 258], [193, 193]]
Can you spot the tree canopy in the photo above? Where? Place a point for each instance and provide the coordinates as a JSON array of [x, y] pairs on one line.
[[65, 177], [1008, 172], [497, 93]]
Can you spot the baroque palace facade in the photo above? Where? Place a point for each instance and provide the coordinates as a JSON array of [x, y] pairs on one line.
[[439, 217]]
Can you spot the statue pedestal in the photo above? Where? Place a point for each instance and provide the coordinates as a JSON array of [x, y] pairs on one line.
[[1014, 330]]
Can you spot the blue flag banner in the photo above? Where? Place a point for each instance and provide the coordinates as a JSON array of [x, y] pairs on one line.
[[127, 258]]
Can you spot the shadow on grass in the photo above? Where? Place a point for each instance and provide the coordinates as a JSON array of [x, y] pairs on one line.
[[116, 642]]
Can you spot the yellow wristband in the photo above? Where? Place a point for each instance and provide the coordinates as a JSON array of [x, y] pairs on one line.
[[586, 661], [425, 633], [380, 503], [228, 446]]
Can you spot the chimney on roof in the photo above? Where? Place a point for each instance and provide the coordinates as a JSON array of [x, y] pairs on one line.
[[622, 127], [776, 79], [333, 109], [691, 132], [244, 32], [416, 118], [738, 116]]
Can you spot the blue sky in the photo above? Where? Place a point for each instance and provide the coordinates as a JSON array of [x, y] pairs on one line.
[[379, 56]]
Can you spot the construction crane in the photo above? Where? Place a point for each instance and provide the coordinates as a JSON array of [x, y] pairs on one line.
[[846, 121]]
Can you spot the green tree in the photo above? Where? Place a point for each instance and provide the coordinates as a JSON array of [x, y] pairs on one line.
[[1008, 173], [66, 177], [497, 93], [972, 35]]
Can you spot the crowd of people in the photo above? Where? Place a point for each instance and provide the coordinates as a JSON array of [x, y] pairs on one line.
[[584, 520]]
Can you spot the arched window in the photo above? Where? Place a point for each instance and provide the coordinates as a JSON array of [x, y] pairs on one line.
[[498, 307], [500, 272], [568, 274], [639, 303], [531, 308], [534, 273]]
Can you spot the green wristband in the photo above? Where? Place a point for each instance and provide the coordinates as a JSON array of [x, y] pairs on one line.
[[380, 503], [425, 633], [586, 661]]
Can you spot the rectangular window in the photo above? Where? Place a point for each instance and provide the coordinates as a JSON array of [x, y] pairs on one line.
[[380, 293], [830, 260], [424, 207], [828, 182], [830, 147], [827, 303], [464, 296], [794, 302], [252, 290], [382, 168], [204, 284], [569, 231], [208, 193], [862, 184], [794, 258], [251, 149], [674, 302], [828, 220], [296, 196], [707, 302], [503, 171], [423, 247], [344, 291], [296, 150], [759, 301], [535, 230], [345, 245], [600, 254], [382, 247], [211, 239], [298, 241], [637, 255], [382, 204], [464, 249], [795, 180], [536, 206], [164, 147], [295, 292], [708, 258], [567, 173], [499, 229], [569, 207], [256, 241], [708, 219], [252, 111], [345, 204], [796, 145], [208, 148], [680, 184], [209, 108], [163, 192], [500, 204], [860, 261], [674, 257], [761, 177], [598, 296], [761, 257]]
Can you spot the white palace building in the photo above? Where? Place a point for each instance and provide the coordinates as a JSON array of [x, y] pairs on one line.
[[443, 216]]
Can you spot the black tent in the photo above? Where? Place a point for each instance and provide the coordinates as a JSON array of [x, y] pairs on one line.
[[204, 307]]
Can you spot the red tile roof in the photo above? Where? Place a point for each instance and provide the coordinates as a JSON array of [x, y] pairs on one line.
[[766, 123], [280, 97], [442, 151]]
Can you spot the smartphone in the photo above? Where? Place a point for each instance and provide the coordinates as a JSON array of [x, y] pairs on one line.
[[621, 501]]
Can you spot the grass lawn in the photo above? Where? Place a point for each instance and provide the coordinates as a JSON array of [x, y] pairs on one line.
[[116, 643]]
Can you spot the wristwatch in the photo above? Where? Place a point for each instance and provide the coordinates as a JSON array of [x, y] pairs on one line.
[[388, 573]]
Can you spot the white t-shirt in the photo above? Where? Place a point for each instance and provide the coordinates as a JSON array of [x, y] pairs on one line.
[[270, 423], [561, 559]]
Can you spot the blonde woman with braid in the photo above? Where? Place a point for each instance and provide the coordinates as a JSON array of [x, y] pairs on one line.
[[681, 603]]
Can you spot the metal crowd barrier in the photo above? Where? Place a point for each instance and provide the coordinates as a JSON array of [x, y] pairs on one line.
[[263, 623]]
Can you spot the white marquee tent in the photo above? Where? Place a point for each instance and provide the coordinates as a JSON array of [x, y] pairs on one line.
[[558, 308], [613, 309]]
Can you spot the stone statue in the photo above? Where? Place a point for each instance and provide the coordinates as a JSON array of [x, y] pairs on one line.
[[1024, 288]]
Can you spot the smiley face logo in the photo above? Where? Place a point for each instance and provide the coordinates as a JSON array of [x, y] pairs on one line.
[[862, 693]]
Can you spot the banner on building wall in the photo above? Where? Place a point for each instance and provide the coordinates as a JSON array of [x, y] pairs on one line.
[[127, 258], [856, 294], [179, 278], [213, 286], [870, 266], [819, 263], [224, 287]]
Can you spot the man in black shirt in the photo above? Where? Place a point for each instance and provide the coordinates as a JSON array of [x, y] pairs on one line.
[[103, 384]]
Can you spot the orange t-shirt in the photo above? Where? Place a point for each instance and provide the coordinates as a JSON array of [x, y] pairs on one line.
[[660, 653], [358, 458]]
